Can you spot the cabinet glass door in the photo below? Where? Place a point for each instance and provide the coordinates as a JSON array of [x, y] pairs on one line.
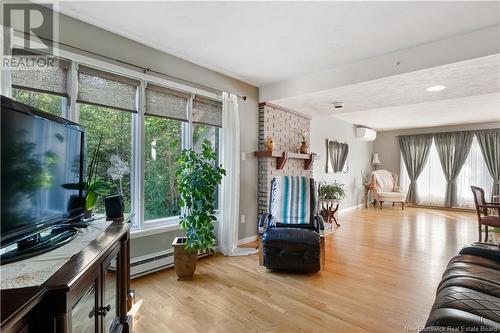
[[83, 314], [110, 298]]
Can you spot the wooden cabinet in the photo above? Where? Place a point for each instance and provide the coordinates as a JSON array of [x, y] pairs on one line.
[[89, 294], [97, 308]]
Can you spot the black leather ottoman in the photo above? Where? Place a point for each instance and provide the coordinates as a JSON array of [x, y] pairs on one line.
[[292, 249]]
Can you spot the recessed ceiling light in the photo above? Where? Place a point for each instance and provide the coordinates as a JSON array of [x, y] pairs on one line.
[[436, 88]]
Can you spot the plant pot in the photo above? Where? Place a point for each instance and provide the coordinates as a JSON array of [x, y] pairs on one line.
[[184, 261], [87, 214]]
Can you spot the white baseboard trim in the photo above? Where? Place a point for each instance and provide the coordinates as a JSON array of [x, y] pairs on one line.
[[247, 240], [347, 209]]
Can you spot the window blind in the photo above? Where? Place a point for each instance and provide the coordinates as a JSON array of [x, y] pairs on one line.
[[168, 103], [207, 111], [101, 88], [48, 75]]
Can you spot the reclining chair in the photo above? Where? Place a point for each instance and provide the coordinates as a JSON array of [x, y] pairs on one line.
[[291, 234]]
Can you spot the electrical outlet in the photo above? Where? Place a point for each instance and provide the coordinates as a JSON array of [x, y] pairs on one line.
[[243, 156], [243, 219]]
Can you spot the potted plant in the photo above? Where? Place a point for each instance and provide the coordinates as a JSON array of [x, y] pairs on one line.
[[330, 191], [198, 177]]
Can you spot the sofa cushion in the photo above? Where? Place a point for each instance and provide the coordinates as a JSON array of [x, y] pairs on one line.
[[453, 320], [492, 221], [470, 259], [469, 301], [470, 270], [483, 250], [473, 283], [392, 195]]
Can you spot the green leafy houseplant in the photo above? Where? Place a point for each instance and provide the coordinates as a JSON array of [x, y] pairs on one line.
[[330, 191], [198, 177]]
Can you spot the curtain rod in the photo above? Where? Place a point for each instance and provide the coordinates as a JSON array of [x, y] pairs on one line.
[[143, 69], [453, 131]]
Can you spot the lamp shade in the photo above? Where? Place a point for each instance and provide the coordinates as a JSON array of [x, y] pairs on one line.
[[375, 159]]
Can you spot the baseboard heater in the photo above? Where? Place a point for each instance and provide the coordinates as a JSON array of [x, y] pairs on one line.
[[154, 262]]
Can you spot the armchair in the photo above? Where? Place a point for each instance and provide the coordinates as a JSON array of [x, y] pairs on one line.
[[291, 233], [384, 185]]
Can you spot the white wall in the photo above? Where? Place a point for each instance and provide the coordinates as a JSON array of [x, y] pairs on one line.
[[358, 159], [387, 146]]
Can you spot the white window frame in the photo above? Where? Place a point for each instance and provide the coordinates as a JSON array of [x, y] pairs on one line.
[[138, 128]]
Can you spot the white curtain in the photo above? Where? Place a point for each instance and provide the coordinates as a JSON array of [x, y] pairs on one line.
[[228, 226], [474, 172], [431, 185]]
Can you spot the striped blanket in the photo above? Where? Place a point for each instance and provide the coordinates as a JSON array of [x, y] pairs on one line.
[[292, 200]]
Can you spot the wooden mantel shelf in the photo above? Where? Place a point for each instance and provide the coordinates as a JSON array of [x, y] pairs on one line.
[[283, 156]]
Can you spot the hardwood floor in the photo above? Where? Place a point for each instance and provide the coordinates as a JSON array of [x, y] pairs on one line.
[[382, 270]]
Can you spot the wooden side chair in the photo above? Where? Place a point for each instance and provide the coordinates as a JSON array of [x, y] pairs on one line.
[[484, 211]]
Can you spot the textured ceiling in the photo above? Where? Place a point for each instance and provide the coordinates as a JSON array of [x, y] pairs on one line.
[[265, 42], [404, 97], [465, 110]]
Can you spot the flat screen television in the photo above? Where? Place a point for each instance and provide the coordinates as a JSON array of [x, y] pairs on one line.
[[42, 172]]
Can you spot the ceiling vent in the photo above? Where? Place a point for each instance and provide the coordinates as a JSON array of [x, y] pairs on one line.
[[365, 134]]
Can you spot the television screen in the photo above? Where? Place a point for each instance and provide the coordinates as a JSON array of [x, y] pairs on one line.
[[41, 170]]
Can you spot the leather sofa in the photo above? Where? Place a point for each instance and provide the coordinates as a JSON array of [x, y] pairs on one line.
[[468, 296]]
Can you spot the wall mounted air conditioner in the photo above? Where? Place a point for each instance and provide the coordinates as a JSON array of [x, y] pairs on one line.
[[365, 134]]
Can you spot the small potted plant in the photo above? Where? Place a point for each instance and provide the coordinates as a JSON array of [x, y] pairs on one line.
[[198, 177], [331, 191]]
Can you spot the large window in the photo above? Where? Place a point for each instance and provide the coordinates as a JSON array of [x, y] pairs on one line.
[[431, 184], [139, 126]]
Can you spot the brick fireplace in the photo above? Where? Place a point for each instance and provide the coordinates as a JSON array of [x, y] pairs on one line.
[[285, 127]]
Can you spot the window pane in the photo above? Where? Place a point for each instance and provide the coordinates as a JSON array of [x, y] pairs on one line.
[[162, 150], [53, 104], [115, 154], [474, 172], [431, 184], [211, 133]]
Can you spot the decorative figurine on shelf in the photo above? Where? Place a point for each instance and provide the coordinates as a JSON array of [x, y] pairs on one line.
[[304, 148], [270, 143]]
